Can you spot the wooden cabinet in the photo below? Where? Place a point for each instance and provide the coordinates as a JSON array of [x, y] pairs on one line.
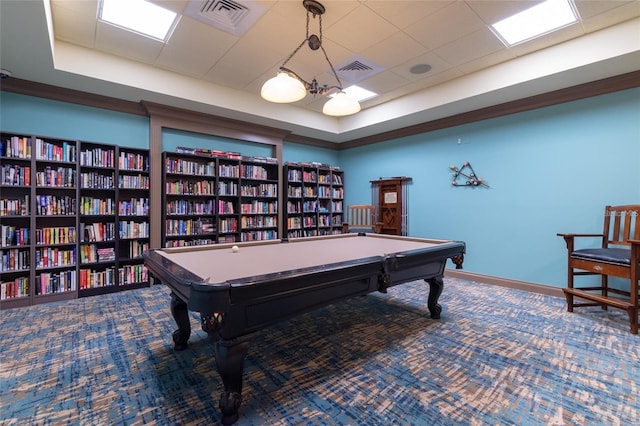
[[390, 197]]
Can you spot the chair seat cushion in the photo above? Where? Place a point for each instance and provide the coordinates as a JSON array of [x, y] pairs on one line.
[[618, 256]]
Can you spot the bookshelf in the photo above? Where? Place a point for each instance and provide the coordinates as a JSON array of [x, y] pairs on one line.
[[313, 196], [218, 197], [55, 211], [15, 220], [62, 211], [132, 217]]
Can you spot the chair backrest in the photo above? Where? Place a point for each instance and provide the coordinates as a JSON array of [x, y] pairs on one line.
[[360, 216], [621, 224]]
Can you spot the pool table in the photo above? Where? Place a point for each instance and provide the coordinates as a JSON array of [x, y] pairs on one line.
[[238, 292]]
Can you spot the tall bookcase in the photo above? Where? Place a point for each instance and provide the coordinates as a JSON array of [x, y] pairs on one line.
[[64, 210], [216, 199], [313, 196]]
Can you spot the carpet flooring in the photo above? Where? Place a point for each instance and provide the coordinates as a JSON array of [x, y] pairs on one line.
[[498, 356]]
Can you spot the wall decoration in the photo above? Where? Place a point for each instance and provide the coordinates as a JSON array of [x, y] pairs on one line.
[[466, 171]]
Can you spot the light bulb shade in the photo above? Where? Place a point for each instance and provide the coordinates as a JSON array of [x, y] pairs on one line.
[[283, 88], [341, 104]]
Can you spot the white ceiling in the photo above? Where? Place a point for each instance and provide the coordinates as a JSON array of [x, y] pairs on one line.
[[202, 68]]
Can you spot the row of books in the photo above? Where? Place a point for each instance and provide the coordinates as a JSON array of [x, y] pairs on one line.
[[56, 282], [262, 190], [15, 175], [15, 207], [90, 278], [181, 166], [179, 227], [227, 188], [18, 287], [183, 187], [134, 207], [132, 274], [186, 207], [190, 243], [132, 229], [226, 207], [136, 248], [311, 164], [133, 182], [250, 171], [13, 236], [98, 231], [224, 154], [16, 147], [259, 235], [56, 235], [14, 260], [228, 225], [97, 157], [229, 170], [54, 257], [56, 177], [126, 275], [90, 253], [45, 150], [97, 206], [50, 205], [258, 222], [259, 207], [94, 180], [133, 162]]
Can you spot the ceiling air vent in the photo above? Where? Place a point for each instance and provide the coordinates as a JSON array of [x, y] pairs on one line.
[[357, 69], [231, 16]]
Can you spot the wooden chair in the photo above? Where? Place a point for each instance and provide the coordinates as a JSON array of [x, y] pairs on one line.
[[360, 218], [619, 256]]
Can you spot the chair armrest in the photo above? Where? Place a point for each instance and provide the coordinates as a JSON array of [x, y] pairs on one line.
[[579, 235], [569, 239]]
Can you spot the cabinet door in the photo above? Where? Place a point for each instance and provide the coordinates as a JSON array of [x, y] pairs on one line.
[[391, 205]]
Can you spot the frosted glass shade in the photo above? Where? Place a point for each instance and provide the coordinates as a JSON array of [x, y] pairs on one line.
[[283, 89], [341, 104]]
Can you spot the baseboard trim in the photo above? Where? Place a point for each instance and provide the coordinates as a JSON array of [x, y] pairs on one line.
[[504, 282]]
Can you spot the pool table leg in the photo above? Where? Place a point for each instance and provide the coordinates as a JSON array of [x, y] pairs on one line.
[[230, 355], [181, 316], [436, 284]]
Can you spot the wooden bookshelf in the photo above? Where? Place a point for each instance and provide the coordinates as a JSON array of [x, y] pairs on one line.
[[61, 224], [220, 198], [313, 196]]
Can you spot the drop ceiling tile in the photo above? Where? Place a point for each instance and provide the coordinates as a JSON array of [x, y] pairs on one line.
[[470, 47], [446, 25], [194, 48], [437, 64], [612, 16], [75, 25], [403, 13], [360, 29], [396, 49], [118, 41]]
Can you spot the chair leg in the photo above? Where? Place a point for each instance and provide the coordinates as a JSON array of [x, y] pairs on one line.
[[605, 289], [569, 296], [633, 319]]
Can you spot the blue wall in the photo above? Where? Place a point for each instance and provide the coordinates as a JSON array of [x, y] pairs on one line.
[[550, 170], [42, 117]]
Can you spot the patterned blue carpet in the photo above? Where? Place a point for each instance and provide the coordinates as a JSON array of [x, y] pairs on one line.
[[498, 356]]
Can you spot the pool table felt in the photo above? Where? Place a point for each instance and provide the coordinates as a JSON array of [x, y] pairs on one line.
[[217, 264]]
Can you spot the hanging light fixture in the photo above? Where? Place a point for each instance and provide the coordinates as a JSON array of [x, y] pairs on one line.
[[287, 86]]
